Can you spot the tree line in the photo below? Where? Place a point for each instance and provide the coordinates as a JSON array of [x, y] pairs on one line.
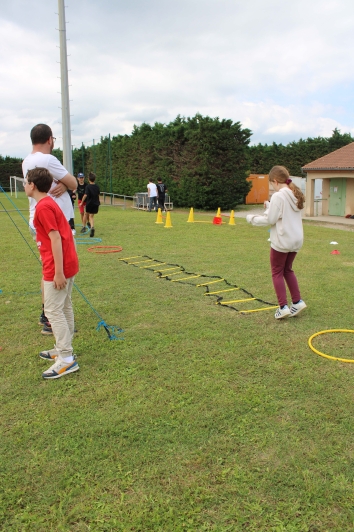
[[203, 161], [297, 154]]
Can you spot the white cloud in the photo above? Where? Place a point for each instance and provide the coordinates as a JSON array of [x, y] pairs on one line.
[[282, 69]]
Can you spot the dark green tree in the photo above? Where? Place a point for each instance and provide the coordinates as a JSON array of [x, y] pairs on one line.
[[9, 166], [202, 160], [295, 155]]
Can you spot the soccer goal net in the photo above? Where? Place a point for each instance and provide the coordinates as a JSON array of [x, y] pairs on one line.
[[16, 185]]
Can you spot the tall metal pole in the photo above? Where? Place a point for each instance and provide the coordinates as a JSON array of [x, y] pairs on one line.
[[110, 164], [94, 156], [106, 189], [83, 157], [65, 104]]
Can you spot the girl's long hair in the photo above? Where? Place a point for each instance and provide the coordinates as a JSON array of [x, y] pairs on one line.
[[281, 174]]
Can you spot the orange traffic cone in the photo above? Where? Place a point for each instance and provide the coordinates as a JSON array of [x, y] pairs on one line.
[[218, 214], [159, 217], [232, 218], [191, 216], [168, 220]]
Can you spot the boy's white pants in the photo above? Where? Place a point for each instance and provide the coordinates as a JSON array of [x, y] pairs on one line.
[[59, 311]]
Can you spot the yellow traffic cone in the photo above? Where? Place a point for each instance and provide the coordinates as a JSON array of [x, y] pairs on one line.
[[218, 214], [159, 217], [168, 220], [232, 218], [191, 216]]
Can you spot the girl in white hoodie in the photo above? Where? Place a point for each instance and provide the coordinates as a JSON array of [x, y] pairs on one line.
[[283, 213]]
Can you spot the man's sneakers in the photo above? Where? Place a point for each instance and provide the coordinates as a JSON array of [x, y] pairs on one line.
[[92, 232], [47, 329], [282, 312], [43, 319], [60, 368], [296, 308], [83, 230], [49, 355]]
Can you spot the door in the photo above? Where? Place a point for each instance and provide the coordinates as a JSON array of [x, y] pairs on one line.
[[337, 193], [260, 189]]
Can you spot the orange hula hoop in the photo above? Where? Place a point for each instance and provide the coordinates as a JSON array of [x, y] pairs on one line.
[[105, 249]]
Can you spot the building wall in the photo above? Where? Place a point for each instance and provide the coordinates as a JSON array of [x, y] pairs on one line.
[[326, 176]]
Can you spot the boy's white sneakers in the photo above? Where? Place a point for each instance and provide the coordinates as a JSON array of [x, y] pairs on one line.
[[295, 309], [282, 313], [60, 368]]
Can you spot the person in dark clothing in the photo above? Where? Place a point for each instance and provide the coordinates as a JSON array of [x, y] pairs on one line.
[[80, 191], [72, 195], [161, 194], [92, 198]]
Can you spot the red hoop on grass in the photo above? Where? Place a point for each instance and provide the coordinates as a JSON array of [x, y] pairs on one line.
[[105, 249]]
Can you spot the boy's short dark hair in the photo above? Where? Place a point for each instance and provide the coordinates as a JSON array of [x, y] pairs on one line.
[[40, 134], [92, 177], [41, 178], [159, 179]]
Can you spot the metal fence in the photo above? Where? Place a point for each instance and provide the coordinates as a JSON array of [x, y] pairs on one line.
[[116, 200]]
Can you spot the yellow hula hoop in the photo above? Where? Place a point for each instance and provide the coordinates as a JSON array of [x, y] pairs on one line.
[[350, 361]]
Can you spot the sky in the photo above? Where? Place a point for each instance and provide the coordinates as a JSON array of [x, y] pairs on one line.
[[283, 69]]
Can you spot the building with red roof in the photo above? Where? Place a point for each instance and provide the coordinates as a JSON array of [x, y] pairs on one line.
[[337, 172]]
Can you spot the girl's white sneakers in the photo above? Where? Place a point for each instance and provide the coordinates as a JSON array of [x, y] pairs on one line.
[[296, 308]]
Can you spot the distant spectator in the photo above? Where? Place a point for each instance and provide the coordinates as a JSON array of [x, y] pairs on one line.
[[161, 194], [152, 195]]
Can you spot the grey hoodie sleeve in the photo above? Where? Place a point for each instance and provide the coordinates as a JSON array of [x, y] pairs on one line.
[[270, 216], [258, 220], [275, 210]]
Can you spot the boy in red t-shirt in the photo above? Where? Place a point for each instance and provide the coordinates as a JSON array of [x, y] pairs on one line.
[[60, 265]]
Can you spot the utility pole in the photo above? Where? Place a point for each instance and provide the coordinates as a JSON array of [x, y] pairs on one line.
[[64, 79], [94, 156], [83, 157]]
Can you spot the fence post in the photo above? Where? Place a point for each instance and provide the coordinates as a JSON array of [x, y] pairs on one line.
[[83, 157], [110, 165]]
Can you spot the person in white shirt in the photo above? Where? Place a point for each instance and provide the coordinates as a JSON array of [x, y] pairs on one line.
[[283, 213], [41, 156], [152, 195]]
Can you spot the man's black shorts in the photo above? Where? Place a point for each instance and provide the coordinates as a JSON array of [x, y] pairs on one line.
[[92, 209]]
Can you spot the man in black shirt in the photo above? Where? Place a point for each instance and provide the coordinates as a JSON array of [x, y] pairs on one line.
[[80, 191], [92, 198], [161, 193]]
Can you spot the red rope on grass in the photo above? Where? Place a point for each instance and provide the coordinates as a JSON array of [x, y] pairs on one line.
[[107, 249]]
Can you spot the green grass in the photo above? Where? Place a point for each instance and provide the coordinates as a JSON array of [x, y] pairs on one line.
[[202, 419]]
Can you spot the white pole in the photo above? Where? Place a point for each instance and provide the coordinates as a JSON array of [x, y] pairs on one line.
[[65, 103]]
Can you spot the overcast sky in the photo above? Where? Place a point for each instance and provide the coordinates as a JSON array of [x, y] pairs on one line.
[[284, 69]]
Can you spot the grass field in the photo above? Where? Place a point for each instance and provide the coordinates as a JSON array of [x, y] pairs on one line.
[[202, 419]]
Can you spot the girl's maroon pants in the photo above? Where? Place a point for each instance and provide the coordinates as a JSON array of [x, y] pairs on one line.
[[281, 266]]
